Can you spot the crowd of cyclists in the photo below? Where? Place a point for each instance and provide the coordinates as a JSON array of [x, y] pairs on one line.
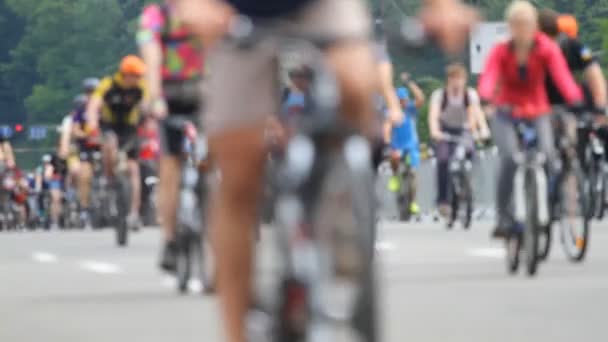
[[543, 75]]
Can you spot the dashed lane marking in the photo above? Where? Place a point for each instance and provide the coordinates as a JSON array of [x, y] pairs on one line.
[[100, 267], [44, 257]]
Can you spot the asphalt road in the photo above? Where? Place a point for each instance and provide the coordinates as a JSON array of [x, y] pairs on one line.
[[436, 286]]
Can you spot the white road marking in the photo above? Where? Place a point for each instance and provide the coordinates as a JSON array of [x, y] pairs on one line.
[[44, 257], [487, 252], [385, 246], [100, 267]]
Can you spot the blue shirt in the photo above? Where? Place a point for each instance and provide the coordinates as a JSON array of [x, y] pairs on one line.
[[405, 136], [293, 105]]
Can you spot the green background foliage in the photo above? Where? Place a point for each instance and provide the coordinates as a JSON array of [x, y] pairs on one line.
[[49, 46]]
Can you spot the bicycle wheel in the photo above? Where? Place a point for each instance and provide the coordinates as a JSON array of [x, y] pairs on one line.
[[531, 230], [206, 263], [455, 190], [513, 248], [575, 223], [123, 201], [184, 259], [467, 201]]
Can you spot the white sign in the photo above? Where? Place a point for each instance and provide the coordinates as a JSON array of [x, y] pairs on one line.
[[483, 38]]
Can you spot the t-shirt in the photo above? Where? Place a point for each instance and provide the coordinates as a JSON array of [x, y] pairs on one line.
[[181, 51], [578, 56], [293, 105], [267, 8], [405, 136], [453, 113]]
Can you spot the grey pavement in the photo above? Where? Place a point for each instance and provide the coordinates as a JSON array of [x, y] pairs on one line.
[[436, 285]]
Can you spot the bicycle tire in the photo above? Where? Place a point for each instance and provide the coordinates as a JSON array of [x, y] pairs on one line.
[[468, 199], [575, 247], [123, 203], [531, 230], [184, 260], [206, 264], [403, 200], [512, 252], [454, 201]]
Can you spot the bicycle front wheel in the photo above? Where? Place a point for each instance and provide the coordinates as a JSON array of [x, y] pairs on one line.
[[575, 221], [532, 228]]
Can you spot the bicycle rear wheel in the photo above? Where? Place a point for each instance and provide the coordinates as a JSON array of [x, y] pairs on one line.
[[123, 201], [575, 223], [184, 259]]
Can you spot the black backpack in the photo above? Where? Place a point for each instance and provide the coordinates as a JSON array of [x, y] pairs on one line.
[[444, 100]]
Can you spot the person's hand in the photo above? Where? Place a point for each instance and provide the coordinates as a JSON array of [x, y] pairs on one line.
[[396, 116], [158, 108], [449, 23], [209, 19], [437, 135]]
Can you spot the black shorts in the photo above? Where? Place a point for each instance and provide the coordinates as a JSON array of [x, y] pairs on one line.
[[128, 140], [172, 138]]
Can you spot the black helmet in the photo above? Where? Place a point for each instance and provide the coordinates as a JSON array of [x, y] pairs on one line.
[[80, 100], [89, 84]]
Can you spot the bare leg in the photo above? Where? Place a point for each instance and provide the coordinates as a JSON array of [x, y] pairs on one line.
[[169, 188], [239, 154]]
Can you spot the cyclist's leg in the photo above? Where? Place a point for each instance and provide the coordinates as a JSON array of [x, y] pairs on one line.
[[84, 179], [169, 172], [56, 192], [109, 151], [505, 138], [236, 130]]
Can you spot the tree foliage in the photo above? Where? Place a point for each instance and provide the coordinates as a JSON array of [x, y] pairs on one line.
[[49, 46]]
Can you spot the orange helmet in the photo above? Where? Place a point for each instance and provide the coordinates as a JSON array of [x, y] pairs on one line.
[[566, 23], [132, 65]]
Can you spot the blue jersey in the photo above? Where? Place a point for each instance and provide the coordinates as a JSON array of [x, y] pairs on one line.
[[405, 136]]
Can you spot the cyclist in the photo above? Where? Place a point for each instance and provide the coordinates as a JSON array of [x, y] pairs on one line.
[[174, 73], [513, 80], [54, 170], [563, 29], [119, 98], [453, 110], [236, 128], [403, 138], [88, 143]]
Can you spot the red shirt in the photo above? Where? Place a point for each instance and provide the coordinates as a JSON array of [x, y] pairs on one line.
[[504, 83]]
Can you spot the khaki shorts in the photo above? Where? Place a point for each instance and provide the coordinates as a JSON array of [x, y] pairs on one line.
[[243, 84]]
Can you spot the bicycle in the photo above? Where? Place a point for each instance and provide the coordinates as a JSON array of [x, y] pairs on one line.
[[596, 169], [99, 199], [530, 202], [192, 233], [573, 197], [325, 215], [119, 194], [461, 190], [404, 193]]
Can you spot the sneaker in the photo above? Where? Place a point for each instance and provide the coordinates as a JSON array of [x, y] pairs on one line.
[[414, 208], [168, 261], [394, 184]]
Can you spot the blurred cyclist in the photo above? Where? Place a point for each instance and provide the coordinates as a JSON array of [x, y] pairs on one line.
[[237, 127], [403, 138], [54, 170], [513, 81], [118, 98], [585, 67], [453, 110], [173, 75], [88, 143]]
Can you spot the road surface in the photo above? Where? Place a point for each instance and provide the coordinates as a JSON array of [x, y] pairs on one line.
[[436, 286]]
